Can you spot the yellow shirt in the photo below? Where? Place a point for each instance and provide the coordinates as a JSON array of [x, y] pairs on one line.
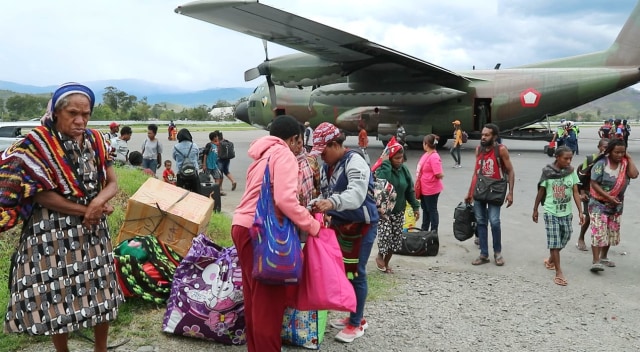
[[458, 137]]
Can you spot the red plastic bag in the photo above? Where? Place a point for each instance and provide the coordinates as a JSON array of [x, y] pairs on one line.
[[324, 284]]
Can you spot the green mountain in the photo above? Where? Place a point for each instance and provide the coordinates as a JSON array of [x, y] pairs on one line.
[[624, 104]]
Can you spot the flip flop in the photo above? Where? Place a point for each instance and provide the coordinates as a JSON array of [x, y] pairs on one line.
[[381, 268], [498, 260], [548, 265], [560, 281], [480, 260], [233, 186], [388, 271], [607, 262]]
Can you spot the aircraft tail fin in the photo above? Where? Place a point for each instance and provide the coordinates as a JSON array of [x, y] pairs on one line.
[[625, 51]]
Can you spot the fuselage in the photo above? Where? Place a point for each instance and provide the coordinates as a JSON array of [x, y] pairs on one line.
[[510, 98]]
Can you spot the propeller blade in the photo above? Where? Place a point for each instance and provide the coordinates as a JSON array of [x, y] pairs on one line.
[[266, 52], [272, 92], [251, 74]]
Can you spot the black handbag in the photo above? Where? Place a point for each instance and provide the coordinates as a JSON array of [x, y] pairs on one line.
[[491, 190], [464, 222], [416, 242]]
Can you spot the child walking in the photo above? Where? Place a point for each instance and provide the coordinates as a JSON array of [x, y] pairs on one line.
[[557, 185]]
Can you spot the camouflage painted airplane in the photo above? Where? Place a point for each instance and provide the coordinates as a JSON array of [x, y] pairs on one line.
[[348, 80]]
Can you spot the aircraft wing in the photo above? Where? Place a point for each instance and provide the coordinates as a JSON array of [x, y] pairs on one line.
[[330, 44]]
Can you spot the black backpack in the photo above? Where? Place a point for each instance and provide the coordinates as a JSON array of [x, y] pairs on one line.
[[464, 222], [226, 150], [584, 173], [187, 170]]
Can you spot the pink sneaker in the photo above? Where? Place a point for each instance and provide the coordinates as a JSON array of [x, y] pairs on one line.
[[342, 323], [350, 333]]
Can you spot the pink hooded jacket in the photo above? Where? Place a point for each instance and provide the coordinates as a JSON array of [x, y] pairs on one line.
[[284, 177]]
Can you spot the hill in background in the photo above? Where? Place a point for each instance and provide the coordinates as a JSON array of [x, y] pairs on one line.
[[155, 93]]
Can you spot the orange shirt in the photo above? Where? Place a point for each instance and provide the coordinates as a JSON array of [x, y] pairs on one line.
[[363, 139]]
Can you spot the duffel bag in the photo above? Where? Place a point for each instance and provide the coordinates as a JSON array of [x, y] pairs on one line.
[[416, 242]]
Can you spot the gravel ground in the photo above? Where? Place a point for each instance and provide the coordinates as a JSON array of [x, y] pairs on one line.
[[439, 308]]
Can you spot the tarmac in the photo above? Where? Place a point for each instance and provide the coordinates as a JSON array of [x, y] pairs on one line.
[[519, 233], [451, 305]]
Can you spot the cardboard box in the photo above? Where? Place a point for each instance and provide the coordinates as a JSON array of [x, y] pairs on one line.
[[171, 213]]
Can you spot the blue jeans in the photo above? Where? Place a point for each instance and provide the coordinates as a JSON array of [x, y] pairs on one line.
[[484, 212], [430, 216], [455, 153], [360, 282], [151, 164]]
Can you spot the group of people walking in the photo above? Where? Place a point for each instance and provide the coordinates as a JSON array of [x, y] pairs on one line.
[[59, 179]]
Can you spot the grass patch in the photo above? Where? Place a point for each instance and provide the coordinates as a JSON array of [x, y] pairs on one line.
[[381, 286], [140, 320]]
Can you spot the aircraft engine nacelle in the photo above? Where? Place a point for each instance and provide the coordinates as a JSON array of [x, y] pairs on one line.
[[301, 70], [368, 116], [345, 94]]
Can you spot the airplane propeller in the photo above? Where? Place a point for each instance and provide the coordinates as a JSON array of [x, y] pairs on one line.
[[263, 69]]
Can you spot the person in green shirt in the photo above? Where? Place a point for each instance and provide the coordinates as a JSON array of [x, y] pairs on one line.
[[390, 227], [557, 185]]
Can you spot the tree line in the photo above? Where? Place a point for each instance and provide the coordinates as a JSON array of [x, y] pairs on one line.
[[116, 105]]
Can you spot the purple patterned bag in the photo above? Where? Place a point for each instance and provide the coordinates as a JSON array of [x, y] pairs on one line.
[[206, 299]]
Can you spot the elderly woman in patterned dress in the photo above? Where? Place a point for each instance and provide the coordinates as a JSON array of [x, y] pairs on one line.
[[390, 227], [57, 181]]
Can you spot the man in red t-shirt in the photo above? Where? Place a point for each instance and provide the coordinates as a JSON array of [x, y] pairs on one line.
[[494, 166]]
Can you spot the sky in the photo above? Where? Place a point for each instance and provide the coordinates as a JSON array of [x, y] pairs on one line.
[[45, 42]]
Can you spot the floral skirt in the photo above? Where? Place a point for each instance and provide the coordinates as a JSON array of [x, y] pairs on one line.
[[389, 231]]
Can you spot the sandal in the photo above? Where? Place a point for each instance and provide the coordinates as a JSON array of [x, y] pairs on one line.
[[607, 262], [549, 265], [382, 267], [560, 281], [389, 271], [596, 267], [480, 260], [500, 261]]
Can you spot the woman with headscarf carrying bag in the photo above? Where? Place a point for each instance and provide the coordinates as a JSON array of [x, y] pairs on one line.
[[390, 227], [610, 176], [346, 188], [264, 304], [58, 180]]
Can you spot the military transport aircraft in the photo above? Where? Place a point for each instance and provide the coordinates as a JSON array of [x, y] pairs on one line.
[[350, 81]]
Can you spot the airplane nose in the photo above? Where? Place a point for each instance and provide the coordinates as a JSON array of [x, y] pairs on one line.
[[242, 112]]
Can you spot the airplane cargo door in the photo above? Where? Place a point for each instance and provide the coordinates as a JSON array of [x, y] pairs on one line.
[[481, 113]]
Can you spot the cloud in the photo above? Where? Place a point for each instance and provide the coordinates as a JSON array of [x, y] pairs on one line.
[[50, 42]]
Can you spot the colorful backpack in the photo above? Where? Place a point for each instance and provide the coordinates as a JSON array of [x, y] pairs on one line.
[[277, 252]]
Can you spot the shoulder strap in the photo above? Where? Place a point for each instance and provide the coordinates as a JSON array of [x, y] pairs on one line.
[[189, 152]]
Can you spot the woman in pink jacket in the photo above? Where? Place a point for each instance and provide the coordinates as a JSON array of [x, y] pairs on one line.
[[264, 304]]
